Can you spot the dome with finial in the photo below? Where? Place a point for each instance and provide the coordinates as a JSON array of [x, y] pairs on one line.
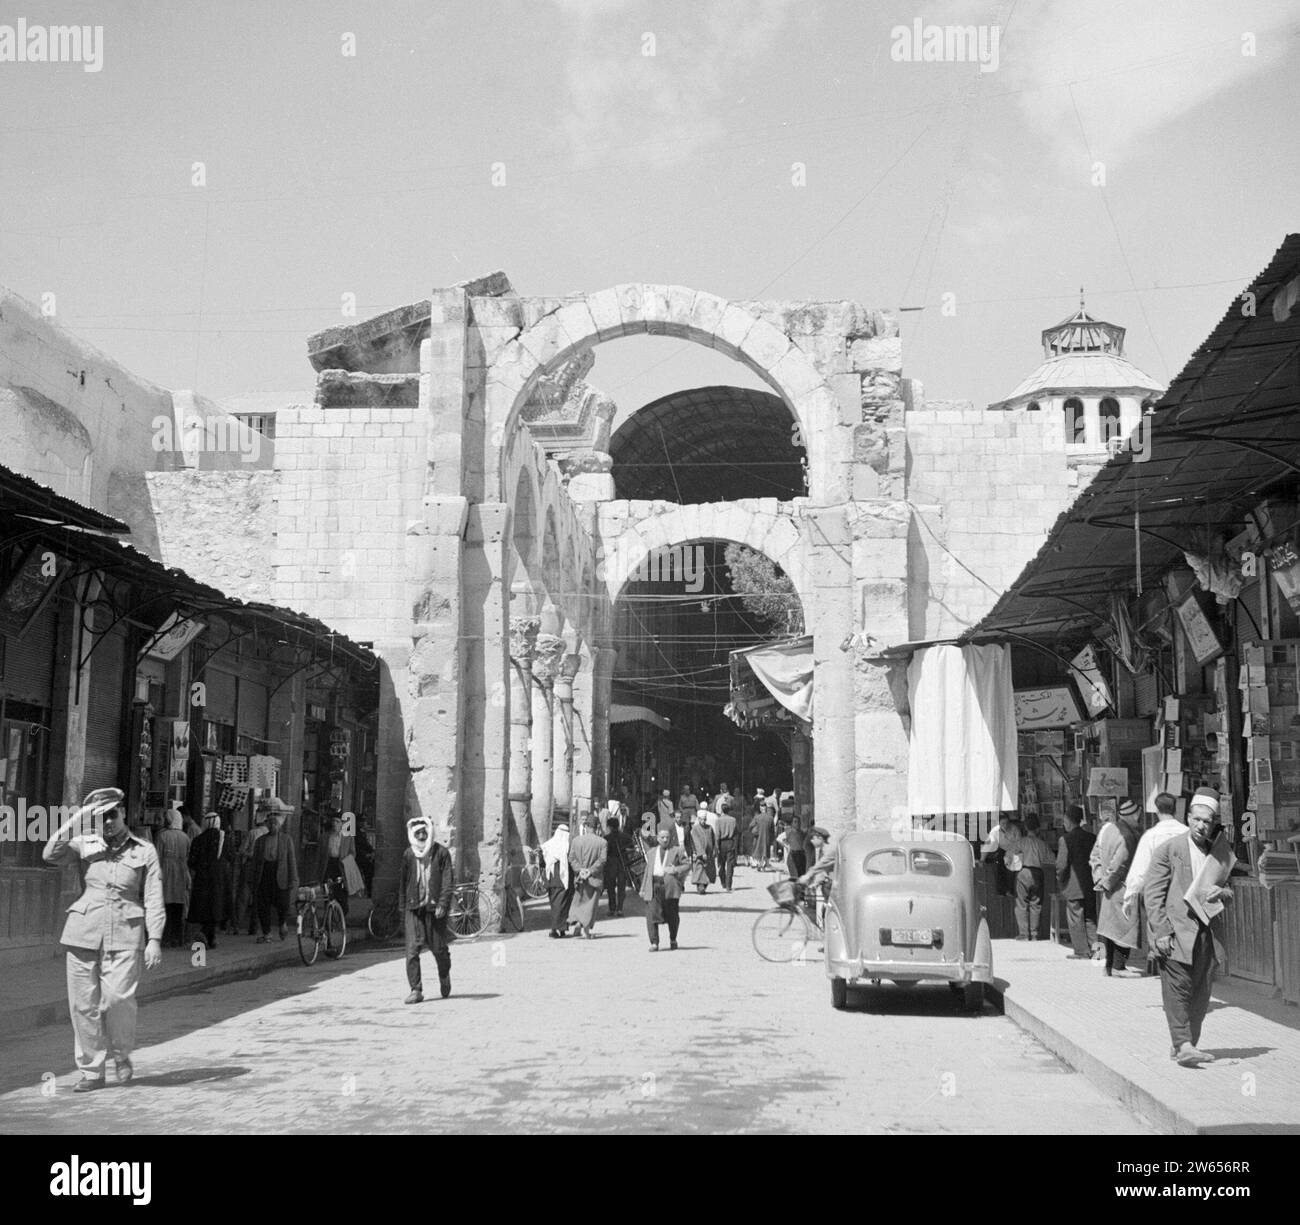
[[1083, 356]]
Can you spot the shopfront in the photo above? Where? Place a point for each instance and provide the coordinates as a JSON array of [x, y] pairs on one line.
[[1155, 636]]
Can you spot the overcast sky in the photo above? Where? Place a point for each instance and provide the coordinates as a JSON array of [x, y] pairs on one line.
[[373, 174]]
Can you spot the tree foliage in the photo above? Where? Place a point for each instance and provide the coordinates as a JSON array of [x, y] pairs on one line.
[[765, 590]]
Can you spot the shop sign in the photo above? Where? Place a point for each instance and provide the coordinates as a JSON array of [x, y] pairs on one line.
[[1087, 675], [1054, 707], [172, 637], [1201, 638], [1284, 562]]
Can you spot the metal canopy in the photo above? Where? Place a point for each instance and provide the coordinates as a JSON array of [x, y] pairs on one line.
[[1224, 436], [22, 496]]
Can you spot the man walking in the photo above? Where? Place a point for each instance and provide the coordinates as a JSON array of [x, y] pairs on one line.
[[275, 877], [615, 883], [762, 835], [1074, 877], [1110, 859], [688, 802], [728, 834], [587, 853], [661, 889], [1166, 827], [1189, 946], [664, 808], [425, 890]]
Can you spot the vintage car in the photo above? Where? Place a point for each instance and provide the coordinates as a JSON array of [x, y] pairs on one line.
[[903, 907]]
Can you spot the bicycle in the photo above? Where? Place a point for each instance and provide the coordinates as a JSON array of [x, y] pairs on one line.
[[321, 923], [385, 920], [784, 933], [473, 911], [513, 903], [532, 876]]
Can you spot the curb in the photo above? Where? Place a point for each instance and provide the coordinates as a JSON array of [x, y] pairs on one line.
[[25, 1017], [1109, 1080]]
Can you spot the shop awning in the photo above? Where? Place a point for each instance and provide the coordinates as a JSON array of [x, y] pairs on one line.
[[23, 496], [619, 713], [1224, 435], [786, 672]]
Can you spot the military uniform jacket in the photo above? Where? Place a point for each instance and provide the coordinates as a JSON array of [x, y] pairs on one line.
[[122, 898]]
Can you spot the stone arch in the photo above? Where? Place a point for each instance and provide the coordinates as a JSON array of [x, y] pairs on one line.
[[776, 536], [672, 310]]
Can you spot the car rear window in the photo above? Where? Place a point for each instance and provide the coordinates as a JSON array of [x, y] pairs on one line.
[[889, 862], [931, 863]]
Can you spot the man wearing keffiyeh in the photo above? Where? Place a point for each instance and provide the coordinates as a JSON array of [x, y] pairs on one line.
[[425, 890]]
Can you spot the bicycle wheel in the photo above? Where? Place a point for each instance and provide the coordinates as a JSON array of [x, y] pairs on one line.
[[783, 935], [382, 921], [532, 880], [514, 910], [466, 917], [336, 931], [309, 935]]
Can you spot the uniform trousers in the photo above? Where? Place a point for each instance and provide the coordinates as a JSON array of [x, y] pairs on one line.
[[101, 1000], [1081, 915], [726, 861]]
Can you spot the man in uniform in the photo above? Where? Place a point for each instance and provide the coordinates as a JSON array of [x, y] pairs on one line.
[[105, 934]]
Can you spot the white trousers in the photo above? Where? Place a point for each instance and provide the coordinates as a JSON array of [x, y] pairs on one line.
[[101, 999]]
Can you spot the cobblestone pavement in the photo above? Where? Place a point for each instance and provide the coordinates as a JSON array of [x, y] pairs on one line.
[[566, 1036]]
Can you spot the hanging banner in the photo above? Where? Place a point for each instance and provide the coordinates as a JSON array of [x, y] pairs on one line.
[[180, 758], [1201, 638], [1092, 685], [1054, 707]]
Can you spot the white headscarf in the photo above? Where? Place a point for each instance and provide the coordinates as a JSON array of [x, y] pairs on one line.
[[556, 850], [213, 821]]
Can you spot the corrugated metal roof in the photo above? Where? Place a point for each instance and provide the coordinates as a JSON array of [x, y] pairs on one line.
[[20, 494]]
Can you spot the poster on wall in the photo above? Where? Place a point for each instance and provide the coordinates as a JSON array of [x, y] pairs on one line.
[[1054, 707], [1201, 638], [1284, 564], [1093, 686], [1107, 782]]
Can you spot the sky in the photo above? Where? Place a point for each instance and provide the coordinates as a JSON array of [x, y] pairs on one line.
[[752, 148]]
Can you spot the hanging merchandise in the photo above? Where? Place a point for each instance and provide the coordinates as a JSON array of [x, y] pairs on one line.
[[233, 795], [1218, 575], [262, 771], [1092, 685], [180, 755], [1284, 562], [234, 769]]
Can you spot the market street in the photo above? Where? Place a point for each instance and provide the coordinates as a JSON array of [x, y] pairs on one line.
[[567, 1036]]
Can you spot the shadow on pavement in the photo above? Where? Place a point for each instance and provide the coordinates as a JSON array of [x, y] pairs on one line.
[[923, 1000], [189, 1076]]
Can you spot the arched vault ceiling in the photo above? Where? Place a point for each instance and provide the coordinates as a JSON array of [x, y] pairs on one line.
[[708, 444]]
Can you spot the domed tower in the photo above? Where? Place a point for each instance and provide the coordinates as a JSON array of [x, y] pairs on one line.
[[1086, 378]]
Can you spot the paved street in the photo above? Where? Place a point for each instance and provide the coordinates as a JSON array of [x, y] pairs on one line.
[[567, 1036]]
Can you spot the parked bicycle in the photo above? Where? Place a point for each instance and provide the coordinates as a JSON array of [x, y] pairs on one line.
[[791, 929], [321, 923], [532, 876]]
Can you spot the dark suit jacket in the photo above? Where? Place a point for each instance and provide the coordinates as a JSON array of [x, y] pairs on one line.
[[440, 880], [1072, 871], [1168, 879], [676, 866]]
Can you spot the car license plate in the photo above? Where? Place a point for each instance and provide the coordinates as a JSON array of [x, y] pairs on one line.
[[911, 935]]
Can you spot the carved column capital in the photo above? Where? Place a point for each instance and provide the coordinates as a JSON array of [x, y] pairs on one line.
[[547, 653], [523, 639]]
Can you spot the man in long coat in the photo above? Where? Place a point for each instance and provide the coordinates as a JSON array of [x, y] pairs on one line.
[[1116, 928], [425, 892], [763, 817], [703, 845], [728, 833], [587, 855], [1189, 948]]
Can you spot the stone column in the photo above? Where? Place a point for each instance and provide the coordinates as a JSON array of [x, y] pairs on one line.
[[602, 684], [523, 640], [583, 798], [546, 662], [564, 734]]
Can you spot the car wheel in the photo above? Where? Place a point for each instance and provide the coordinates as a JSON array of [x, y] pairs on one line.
[[839, 993], [973, 997]]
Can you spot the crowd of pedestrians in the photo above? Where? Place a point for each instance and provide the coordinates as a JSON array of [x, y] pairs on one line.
[[1118, 881]]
